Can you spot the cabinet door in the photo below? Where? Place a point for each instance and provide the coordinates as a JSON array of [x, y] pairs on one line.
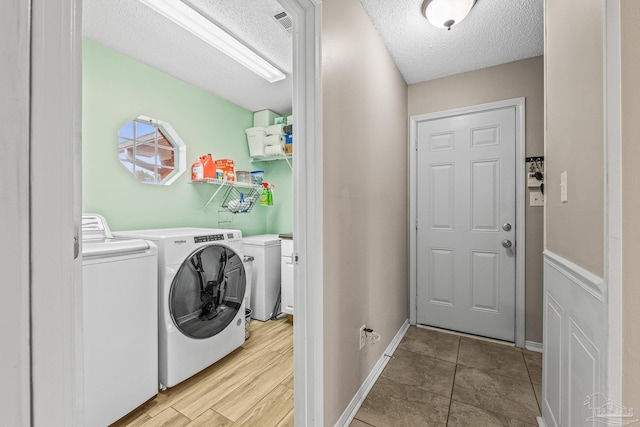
[[287, 276], [287, 284]]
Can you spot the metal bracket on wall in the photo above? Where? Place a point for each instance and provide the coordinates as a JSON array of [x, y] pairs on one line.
[[221, 184]]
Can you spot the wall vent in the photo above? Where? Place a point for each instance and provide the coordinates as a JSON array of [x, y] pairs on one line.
[[284, 20]]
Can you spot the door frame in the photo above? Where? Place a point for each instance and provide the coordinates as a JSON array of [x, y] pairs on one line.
[[15, 366], [613, 196], [308, 328], [519, 105]]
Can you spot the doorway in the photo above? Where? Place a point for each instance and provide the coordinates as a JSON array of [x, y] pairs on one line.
[[57, 53], [467, 220]]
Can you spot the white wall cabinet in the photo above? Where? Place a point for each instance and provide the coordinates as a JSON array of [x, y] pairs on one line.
[[286, 269]]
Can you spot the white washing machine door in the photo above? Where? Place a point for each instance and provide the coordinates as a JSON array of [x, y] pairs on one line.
[[207, 291]]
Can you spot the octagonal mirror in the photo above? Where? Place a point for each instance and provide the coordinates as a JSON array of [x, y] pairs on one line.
[[151, 150]]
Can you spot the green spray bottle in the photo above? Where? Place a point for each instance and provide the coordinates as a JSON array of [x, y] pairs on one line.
[[266, 198]]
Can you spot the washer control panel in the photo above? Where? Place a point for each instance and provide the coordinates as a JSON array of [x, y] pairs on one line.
[[209, 238]]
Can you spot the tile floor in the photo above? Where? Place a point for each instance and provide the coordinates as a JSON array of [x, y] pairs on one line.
[[253, 386], [440, 379]]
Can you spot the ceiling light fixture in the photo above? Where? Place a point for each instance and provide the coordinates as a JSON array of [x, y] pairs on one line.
[[194, 22], [446, 13]]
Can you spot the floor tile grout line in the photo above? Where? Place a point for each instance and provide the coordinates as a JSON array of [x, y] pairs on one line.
[[532, 386], [477, 338], [484, 409], [489, 411], [497, 373], [426, 355], [453, 385]]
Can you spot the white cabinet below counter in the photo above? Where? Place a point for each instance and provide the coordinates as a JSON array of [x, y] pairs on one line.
[[286, 272]]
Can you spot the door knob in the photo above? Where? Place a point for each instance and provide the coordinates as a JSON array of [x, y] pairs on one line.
[[506, 226], [506, 243]]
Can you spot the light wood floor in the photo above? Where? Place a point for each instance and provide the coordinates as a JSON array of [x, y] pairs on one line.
[[253, 386]]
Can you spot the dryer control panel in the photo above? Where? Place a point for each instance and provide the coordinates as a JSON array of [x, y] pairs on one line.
[[209, 238]]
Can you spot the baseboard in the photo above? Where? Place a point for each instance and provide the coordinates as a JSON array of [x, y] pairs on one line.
[[533, 346], [541, 422], [352, 409]]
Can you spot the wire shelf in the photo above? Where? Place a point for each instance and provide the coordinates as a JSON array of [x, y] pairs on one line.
[[245, 188], [240, 199]]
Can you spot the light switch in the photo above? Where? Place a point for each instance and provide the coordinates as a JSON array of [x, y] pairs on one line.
[[563, 187]]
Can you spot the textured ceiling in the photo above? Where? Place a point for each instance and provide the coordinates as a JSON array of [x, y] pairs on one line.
[[133, 29], [495, 32]]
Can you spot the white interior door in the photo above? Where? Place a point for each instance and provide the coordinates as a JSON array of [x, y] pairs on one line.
[[465, 217]]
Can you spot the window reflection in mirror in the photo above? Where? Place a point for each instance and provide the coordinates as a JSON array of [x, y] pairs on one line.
[[151, 150]]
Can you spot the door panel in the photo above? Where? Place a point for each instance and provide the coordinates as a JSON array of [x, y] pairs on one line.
[[442, 276], [484, 281], [465, 193], [443, 189], [485, 200]]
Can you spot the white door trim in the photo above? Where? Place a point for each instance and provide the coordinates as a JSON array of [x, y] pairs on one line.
[[613, 197], [308, 329], [519, 104], [55, 172], [15, 375]]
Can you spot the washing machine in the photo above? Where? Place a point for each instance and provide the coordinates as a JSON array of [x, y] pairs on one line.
[[120, 322], [201, 287]]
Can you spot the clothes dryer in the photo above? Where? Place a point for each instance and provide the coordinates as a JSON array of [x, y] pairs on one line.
[[201, 287]]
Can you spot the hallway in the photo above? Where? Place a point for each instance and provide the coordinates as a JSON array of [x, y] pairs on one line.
[[441, 379]]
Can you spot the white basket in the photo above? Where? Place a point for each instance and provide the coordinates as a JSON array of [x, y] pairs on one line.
[[264, 118], [255, 139]]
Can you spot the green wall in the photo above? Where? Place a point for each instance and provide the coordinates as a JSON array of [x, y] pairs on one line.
[[117, 89], [280, 215]]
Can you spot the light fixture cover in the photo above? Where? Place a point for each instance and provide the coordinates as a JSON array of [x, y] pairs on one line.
[[192, 21], [446, 13]]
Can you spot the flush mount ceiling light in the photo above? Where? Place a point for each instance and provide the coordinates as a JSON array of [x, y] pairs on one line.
[[192, 21], [446, 13]]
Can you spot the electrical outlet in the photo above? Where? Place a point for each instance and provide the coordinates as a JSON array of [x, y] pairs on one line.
[[362, 336], [536, 198]]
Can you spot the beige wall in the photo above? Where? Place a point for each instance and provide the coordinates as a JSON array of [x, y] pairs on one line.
[[631, 201], [574, 131], [365, 198], [514, 80]]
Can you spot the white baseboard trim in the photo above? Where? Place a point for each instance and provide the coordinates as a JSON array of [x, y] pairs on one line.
[[541, 422], [352, 409], [533, 346]]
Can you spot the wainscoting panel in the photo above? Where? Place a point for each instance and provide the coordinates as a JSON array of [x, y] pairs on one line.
[[575, 343]]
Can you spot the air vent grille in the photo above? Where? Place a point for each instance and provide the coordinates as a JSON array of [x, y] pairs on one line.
[[284, 20]]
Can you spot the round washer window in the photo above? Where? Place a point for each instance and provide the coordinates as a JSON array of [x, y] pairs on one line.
[[207, 292]]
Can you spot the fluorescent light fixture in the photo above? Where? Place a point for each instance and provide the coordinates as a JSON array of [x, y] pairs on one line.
[[192, 21], [446, 13]]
